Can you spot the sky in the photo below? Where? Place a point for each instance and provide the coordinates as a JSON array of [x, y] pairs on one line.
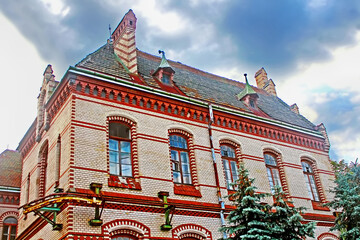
[[309, 48]]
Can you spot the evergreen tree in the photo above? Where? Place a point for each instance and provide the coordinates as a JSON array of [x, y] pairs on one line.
[[286, 219], [347, 200], [250, 219]]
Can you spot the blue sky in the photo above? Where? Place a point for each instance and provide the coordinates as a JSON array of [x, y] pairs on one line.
[[310, 48]]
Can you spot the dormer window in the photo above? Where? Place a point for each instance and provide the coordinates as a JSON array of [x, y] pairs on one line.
[[165, 79], [252, 103], [248, 96], [164, 72]]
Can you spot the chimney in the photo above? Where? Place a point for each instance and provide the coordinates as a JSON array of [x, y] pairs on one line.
[[124, 41], [322, 129], [294, 108], [261, 78], [263, 82]]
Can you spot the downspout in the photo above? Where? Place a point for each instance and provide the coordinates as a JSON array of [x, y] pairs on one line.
[[221, 202]]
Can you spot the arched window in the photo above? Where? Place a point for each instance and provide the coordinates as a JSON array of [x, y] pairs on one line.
[[272, 170], [310, 181], [120, 149], [228, 157], [180, 159], [9, 228]]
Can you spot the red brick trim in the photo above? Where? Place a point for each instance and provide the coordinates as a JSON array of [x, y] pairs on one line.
[[43, 162], [182, 189], [327, 236], [280, 163], [194, 230], [317, 181], [8, 214], [112, 228], [118, 181]]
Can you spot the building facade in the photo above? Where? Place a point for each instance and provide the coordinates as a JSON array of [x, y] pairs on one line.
[[129, 145], [10, 177]]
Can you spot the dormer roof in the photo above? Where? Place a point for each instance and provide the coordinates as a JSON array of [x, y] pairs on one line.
[[164, 64], [248, 90]]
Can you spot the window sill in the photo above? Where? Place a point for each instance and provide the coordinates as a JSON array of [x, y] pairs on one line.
[[123, 182], [186, 190], [319, 206]]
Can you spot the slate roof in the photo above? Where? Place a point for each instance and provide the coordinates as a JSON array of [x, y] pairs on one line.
[[10, 168], [196, 84]]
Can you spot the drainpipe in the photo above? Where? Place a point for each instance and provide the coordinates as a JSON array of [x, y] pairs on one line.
[[221, 202]]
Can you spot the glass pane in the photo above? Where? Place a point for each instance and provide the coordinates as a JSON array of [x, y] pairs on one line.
[[227, 151], [10, 220], [176, 166], [308, 187], [126, 170], [226, 165], [13, 230], [125, 158], [119, 130], [270, 178], [306, 167], [177, 177], [185, 168], [276, 176], [184, 157], [114, 157], [270, 160], [234, 170], [178, 142], [314, 189], [187, 178], [125, 147], [174, 155], [113, 145], [114, 168]]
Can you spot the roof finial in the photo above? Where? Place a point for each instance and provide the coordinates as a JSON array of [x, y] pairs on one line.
[[247, 82], [109, 32], [162, 52]]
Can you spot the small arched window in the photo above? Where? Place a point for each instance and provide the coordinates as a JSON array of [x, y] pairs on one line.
[[180, 159], [120, 149], [310, 181], [124, 237], [9, 228], [229, 160], [43, 161], [272, 170]]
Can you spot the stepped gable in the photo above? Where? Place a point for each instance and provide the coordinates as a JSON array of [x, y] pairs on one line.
[[10, 168], [104, 61]]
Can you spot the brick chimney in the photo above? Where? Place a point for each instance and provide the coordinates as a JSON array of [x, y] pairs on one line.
[[294, 108], [124, 41], [263, 82], [261, 78]]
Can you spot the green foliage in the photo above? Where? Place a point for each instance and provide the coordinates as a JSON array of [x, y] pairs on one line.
[[253, 219], [286, 219], [347, 200], [250, 218]]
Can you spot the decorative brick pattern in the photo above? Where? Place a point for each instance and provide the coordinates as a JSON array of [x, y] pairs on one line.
[[112, 228], [327, 236], [191, 230]]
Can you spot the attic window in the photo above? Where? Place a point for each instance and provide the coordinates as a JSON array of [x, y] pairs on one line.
[[165, 79], [252, 103], [131, 22]]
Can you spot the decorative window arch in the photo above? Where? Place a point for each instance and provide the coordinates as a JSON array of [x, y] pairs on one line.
[[313, 183], [275, 170], [231, 157], [183, 163], [327, 236], [127, 227], [122, 156], [9, 228], [42, 166], [191, 231]]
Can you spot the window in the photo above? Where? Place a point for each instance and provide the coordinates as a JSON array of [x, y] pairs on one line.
[[310, 181], [9, 228], [180, 159], [165, 79], [272, 170], [43, 170], [120, 149], [228, 157]]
